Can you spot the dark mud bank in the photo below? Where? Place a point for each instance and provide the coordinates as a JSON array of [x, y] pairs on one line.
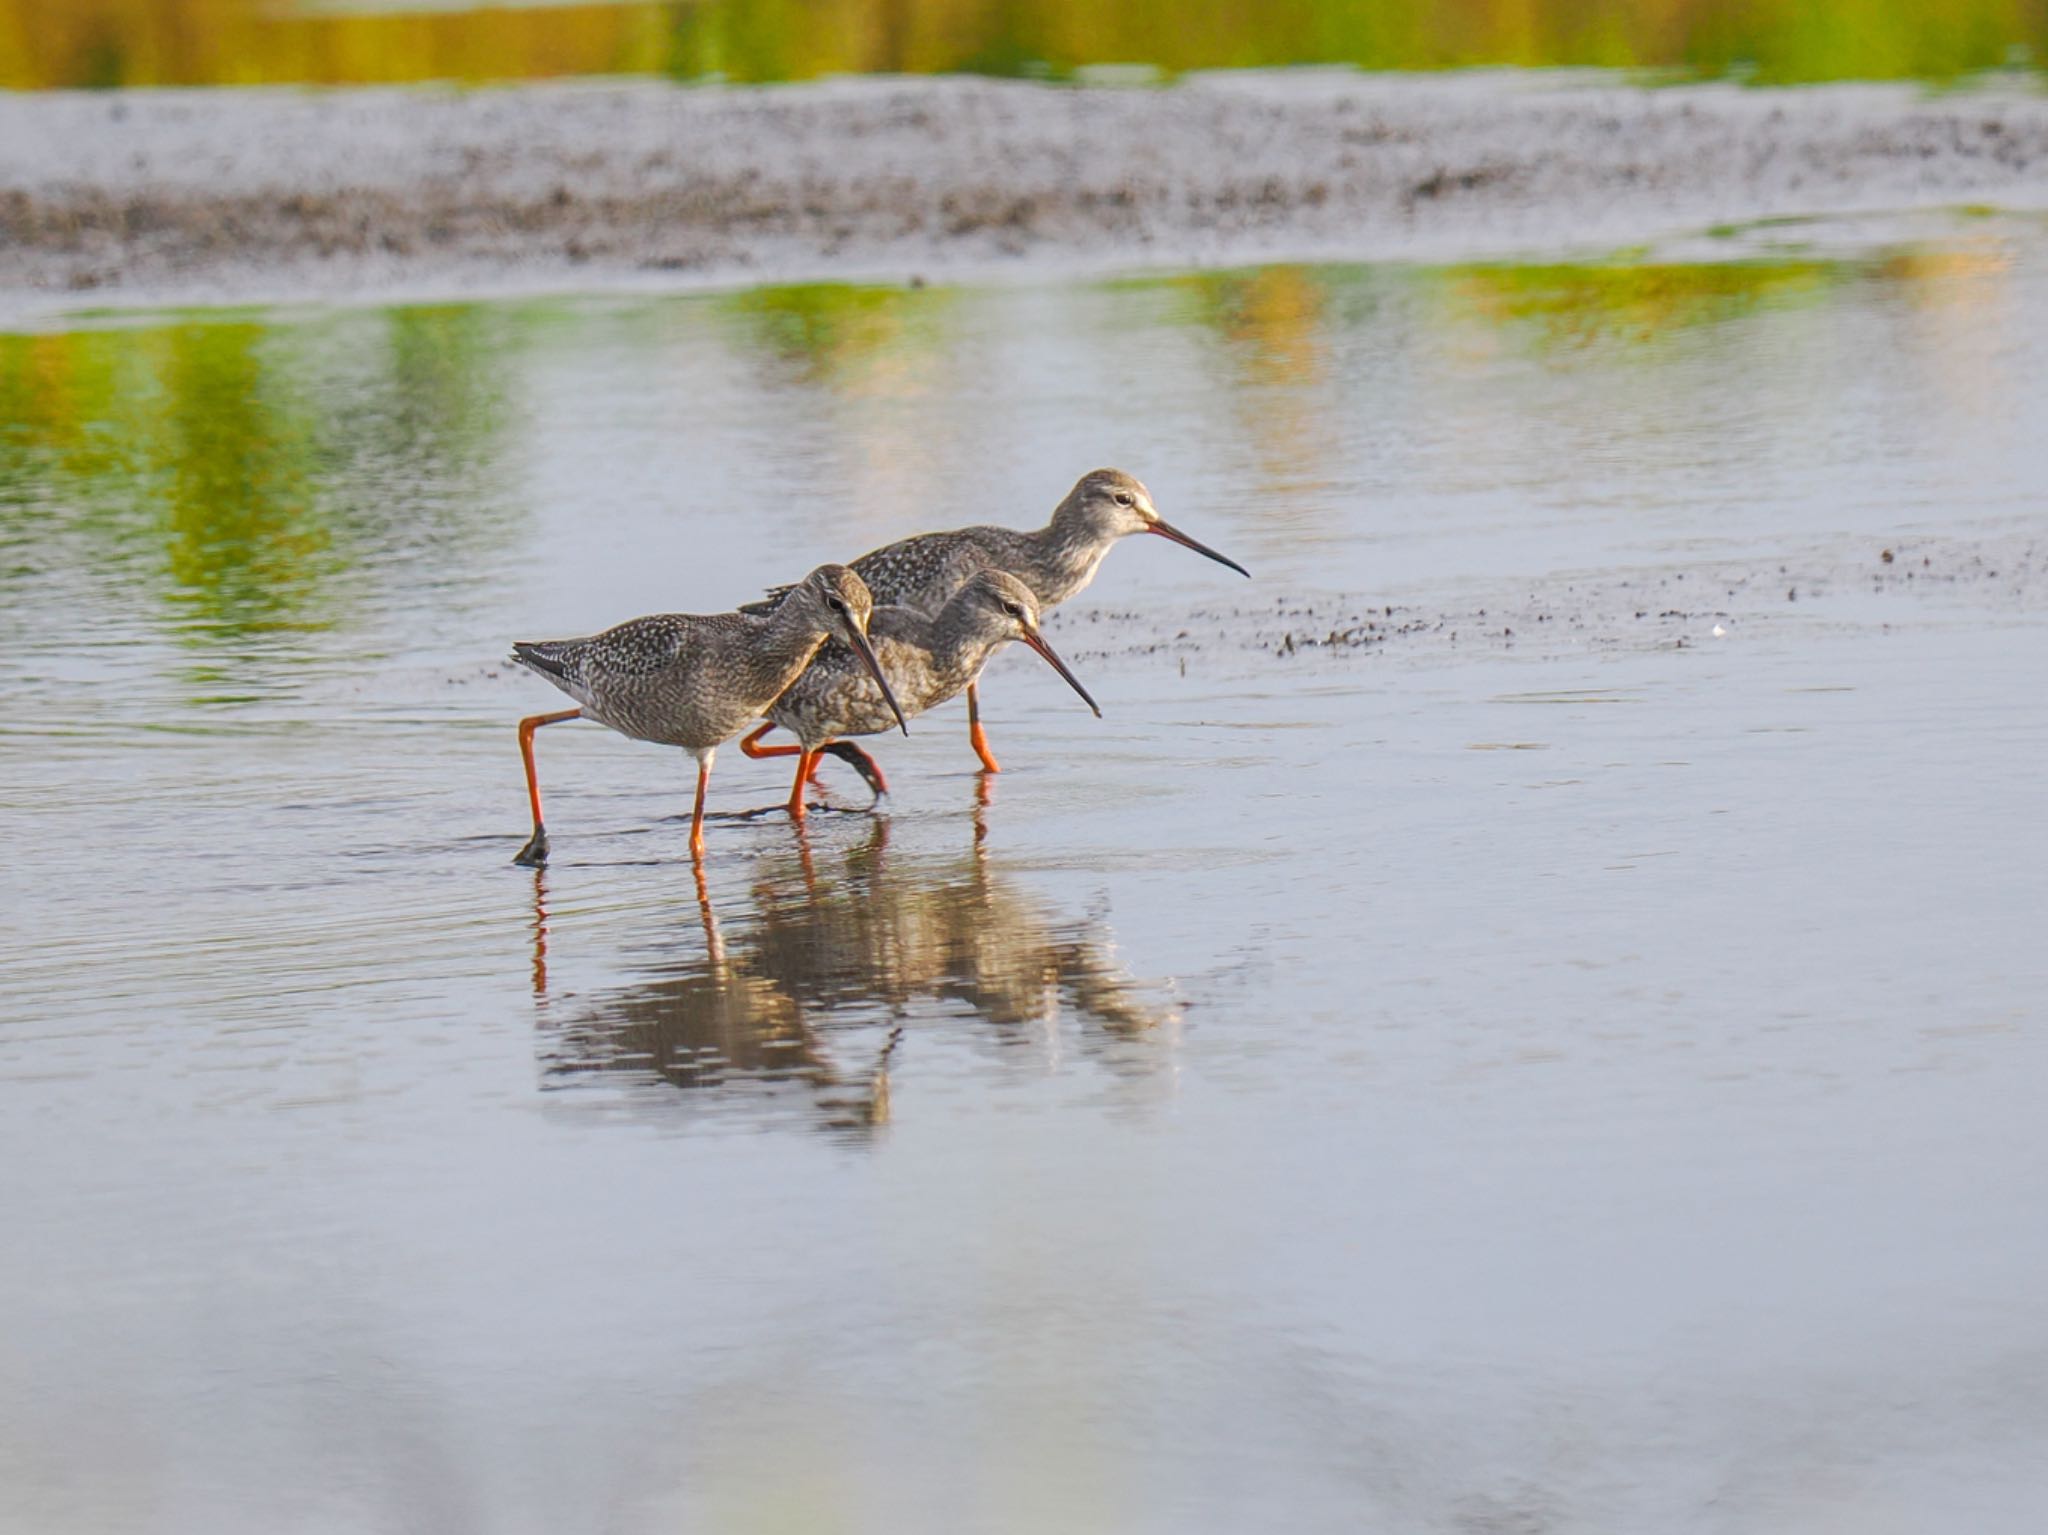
[[1915, 581], [205, 196]]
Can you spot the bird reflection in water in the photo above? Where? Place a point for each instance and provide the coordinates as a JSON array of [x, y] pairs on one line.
[[812, 990]]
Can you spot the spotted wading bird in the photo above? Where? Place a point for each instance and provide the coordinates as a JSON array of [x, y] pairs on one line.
[[1055, 561], [927, 660], [696, 680]]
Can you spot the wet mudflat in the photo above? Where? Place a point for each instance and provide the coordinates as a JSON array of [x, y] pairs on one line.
[[1462, 1045], [265, 196]]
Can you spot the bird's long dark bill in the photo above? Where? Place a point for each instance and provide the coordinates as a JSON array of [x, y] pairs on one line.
[[1037, 642], [1168, 530], [867, 655]]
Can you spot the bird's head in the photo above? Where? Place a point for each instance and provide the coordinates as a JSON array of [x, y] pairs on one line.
[[1107, 503], [1004, 608], [841, 606]]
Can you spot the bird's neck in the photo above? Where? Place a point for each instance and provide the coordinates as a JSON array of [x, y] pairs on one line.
[[1064, 559], [918, 655], [788, 638], [959, 647]]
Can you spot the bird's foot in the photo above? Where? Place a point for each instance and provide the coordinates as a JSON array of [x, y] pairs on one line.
[[863, 764], [535, 853]]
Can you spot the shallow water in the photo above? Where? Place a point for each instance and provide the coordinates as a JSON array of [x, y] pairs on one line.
[[1582, 1078]]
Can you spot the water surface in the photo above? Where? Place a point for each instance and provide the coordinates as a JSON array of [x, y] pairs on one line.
[[1579, 1078]]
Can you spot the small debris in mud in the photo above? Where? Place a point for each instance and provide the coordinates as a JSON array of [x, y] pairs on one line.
[[297, 194], [1594, 613]]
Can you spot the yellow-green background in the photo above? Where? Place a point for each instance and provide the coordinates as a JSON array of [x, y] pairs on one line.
[[46, 43]]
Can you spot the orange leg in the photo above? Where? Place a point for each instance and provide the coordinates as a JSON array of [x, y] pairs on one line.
[[805, 762], [535, 853], [697, 815], [975, 736], [747, 745]]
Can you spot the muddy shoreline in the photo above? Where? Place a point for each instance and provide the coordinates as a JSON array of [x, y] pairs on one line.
[[1833, 587], [270, 195], [1839, 587]]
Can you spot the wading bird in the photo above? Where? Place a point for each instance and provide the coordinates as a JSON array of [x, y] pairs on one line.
[[926, 659], [695, 680], [1055, 561]]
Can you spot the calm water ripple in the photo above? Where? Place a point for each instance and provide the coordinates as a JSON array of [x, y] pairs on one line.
[[1526, 1017]]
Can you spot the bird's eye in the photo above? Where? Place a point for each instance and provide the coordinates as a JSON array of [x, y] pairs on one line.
[[1123, 498], [837, 604], [1015, 610]]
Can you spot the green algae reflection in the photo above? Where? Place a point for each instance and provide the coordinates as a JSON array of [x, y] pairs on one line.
[[1552, 307], [245, 477], [837, 332]]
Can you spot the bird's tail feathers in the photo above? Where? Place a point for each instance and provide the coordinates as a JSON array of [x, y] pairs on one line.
[[763, 606]]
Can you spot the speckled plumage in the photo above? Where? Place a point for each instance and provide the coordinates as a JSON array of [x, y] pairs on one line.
[[696, 679], [689, 679], [1055, 561], [682, 679], [926, 659]]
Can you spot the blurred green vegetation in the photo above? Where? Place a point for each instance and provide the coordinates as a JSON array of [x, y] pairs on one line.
[[1559, 307], [237, 470], [243, 474], [44, 43], [841, 334], [101, 43]]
